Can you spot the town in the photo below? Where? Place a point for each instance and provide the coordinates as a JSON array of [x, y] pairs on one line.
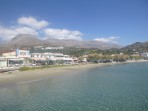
[[14, 59]]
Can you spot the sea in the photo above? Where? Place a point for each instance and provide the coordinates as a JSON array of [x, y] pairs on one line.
[[121, 87]]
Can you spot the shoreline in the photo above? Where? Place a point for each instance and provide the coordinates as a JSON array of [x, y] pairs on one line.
[[15, 77]]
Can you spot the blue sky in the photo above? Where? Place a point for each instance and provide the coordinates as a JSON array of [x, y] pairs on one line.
[[114, 21]]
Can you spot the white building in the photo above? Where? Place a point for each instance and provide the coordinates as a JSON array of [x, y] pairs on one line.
[[16, 57], [17, 53], [23, 57], [144, 54], [49, 48], [22, 53], [52, 58], [3, 62], [9, 54]]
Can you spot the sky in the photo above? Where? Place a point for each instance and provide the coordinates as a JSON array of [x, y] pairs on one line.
[[110, 21]]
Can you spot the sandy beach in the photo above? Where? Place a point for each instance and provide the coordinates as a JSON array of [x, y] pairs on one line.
[[22, 76]]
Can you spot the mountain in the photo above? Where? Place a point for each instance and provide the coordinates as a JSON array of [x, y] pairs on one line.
[[27, 41], [80, 44], [136, 47], [22, 41]]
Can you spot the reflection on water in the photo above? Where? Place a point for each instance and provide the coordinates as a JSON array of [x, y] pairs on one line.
[[112, 88]]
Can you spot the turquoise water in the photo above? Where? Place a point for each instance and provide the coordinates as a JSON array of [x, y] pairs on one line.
[[111, 88]]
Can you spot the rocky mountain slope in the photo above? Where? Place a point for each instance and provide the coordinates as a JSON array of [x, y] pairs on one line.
[[27, 41], [136, 47]]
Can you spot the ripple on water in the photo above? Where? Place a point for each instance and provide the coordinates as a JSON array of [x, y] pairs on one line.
[[114, 88]]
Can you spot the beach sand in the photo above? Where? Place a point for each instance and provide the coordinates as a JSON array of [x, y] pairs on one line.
[[22, 76]]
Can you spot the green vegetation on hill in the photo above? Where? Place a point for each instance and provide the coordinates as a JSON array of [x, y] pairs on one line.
[[77, 52], [137, 47]]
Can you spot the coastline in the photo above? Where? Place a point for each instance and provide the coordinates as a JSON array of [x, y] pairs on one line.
[[15, 77]]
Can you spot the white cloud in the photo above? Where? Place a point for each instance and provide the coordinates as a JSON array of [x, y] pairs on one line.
[[6, 33], [30, 25], [33, 22], [62, 34], [9, 33], [26, 30], [111, 39]]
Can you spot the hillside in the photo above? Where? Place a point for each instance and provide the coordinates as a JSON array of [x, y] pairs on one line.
[[136, 47], [28, 41]]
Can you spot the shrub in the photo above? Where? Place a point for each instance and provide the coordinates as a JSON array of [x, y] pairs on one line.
[[25, 68]]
